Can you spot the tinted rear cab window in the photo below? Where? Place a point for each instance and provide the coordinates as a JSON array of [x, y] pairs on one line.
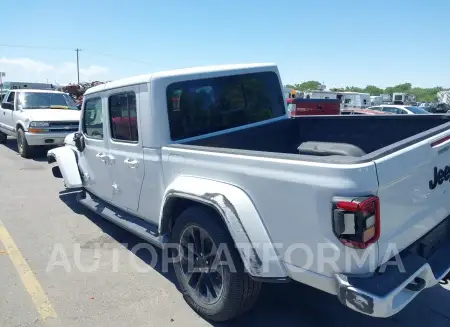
[[203, 106]]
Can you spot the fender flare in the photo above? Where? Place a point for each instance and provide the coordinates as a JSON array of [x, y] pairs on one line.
[[67, 162], [240, 216], [19, 124]]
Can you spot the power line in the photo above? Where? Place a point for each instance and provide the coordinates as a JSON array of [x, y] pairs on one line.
[[119, 58], [67, 49], [33, 47], [77, 50]]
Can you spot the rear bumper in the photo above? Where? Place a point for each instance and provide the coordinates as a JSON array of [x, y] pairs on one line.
[[386, 293], [46, 138]]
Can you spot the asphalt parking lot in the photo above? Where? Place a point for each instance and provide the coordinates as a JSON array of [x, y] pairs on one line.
[[37, 221]]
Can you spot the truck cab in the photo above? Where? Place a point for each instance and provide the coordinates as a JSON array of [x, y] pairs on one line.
[[37, 118]]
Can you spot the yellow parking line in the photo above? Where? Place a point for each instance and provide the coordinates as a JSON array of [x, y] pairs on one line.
[[42, 303]]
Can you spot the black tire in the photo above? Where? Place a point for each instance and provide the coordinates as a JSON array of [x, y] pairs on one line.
[[22, 145], [238, 292], [3, 138]]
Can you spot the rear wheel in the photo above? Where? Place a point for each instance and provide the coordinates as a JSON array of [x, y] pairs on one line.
[[3, 138], [209, 269], [22, 144]]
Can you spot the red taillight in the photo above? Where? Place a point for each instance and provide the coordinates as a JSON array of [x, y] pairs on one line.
[[356, 221], [440, 141]]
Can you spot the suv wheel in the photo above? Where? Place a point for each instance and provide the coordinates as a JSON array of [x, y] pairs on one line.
[[3, 138], [22, 144], [208, 267]]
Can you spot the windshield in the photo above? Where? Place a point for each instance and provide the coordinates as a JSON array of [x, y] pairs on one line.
[[43, 100], [417, 110]]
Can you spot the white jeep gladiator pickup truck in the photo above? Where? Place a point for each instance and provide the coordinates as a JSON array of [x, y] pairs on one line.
[[355, 206], [37, 118]]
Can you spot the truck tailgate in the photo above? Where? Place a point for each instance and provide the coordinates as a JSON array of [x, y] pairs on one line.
[[414, 192]]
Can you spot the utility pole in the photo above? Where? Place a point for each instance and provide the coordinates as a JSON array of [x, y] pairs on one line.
[[78, 65]]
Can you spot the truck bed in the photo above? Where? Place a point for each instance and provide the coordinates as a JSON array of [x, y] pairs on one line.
[[375, 135]]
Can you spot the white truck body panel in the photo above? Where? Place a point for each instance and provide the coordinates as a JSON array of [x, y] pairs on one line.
[[257, 176], [410, 207]]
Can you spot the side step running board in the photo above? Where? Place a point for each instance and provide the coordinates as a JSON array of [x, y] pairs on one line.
[[135, 225]]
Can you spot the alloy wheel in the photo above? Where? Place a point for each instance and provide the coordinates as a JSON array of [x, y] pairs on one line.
[[200, 265]]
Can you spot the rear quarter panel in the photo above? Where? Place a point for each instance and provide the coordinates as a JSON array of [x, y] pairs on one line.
[[293, 199]]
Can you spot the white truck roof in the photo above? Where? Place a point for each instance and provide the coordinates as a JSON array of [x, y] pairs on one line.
[[35, 91], [204, 70]]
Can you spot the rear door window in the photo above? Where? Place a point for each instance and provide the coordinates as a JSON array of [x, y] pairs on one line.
[[123, 117], [198, 107]]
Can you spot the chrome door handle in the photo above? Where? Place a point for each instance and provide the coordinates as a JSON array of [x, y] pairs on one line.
[[111, 159], [101, 156], [133, 163]]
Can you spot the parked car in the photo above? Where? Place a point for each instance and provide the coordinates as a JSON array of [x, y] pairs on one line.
[[438, 108], [37, 118], [363, 112], [400, 109], [216, 160]]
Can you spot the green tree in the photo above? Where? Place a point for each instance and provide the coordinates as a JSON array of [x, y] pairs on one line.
[[373, 90], [353, 89], [309, 85]]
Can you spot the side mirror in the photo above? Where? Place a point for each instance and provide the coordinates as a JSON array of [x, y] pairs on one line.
[[79, 141], [8, 105]]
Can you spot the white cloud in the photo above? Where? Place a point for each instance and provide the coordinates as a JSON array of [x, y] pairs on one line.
[[93, 70], [29, 70]]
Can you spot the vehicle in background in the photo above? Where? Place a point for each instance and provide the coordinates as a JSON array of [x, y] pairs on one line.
[[301, 107], [290, 93], [386, 98], [403, 98], [37, 118], [401, 109], [355, 100], [425, 105], [438, 108], [363, 112], [444, 97], [6, 86], [376, 100], [219, 174], [319, 94]]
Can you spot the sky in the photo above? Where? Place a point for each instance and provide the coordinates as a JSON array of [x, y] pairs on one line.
[[337, 42]]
